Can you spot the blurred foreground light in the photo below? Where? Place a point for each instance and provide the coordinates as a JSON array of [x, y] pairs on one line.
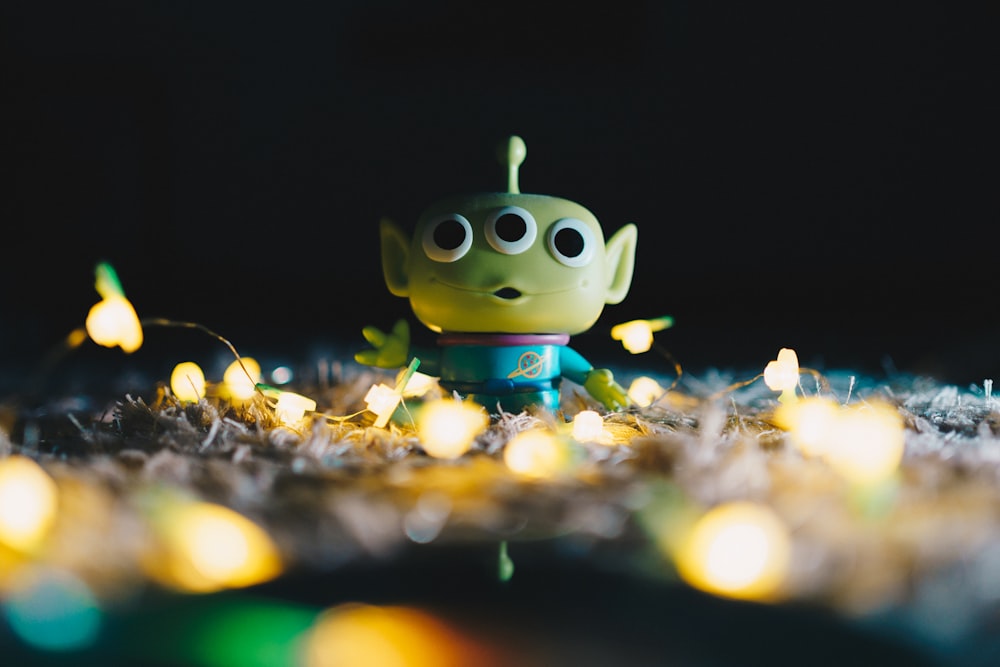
[[809, 422], [782, 374], [208, 547], [113, 320], [637, 335], [644, 391], [52, 610], [536, 453], [28, 502], [241, 380], [863, 442], [361, 634], [187, 381], [866, 445], [448, 427], [739, 550]]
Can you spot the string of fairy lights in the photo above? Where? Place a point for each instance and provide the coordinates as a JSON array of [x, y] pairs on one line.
[[736, 549]]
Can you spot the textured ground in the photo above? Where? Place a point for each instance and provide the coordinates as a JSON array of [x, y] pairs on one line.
[[361, 513]]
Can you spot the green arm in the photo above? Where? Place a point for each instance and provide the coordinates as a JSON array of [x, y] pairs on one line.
[[389, 350]]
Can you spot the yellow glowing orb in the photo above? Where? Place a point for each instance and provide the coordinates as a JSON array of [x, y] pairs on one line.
[[637, 335], [644, 391], [113, 321], [536, 453], [241, 380], [738, 549], [809, 423], [447, 427], [28, 502], [187, 381], [867, 444], [207, 547]]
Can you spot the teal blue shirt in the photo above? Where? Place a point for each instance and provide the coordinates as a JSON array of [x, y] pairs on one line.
[[513, 371]]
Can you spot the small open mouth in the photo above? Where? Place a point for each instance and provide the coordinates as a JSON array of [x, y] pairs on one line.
[[507, 293]]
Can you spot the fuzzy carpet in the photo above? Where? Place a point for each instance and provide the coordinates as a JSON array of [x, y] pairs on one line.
[[564, 570]]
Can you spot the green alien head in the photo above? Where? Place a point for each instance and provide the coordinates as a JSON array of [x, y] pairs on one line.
[[508, 262]]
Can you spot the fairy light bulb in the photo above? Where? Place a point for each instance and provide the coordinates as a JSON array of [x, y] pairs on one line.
[[241, 378], [187, 382], [113, 320], [644, 391], [637, 335], [738, 549], [448, 427], [782, 374], [382, 400], [28, 502], [291, 408], [588, 426]]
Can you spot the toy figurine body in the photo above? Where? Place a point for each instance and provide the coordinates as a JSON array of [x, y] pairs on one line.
[[506, 279]]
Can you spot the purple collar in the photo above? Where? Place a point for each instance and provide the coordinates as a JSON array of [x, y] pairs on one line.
[[500, 339]]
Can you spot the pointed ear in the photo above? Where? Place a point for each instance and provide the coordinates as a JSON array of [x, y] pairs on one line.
[[620, 256], [395, 256]]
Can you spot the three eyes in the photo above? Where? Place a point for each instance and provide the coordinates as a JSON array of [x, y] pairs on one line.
[[510, 230]]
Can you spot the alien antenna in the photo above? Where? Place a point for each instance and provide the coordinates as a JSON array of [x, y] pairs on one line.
[[511, 154]]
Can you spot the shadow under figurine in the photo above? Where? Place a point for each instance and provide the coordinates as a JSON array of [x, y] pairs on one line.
[[505, 279]]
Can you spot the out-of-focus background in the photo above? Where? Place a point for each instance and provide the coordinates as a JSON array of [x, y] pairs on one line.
[[808, 175]]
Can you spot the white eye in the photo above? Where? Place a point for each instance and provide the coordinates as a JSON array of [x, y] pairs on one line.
[[571, 242], [511, 230], [447, 238]]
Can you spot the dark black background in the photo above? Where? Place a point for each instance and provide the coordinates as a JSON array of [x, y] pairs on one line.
[[812, 175]]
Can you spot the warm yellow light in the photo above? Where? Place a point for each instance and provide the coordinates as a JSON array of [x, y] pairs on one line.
[[382, 400], [113, 321], [536, 453], [208, 547], [187, 381], [782, 374], [644, 391], [448, 427], [863, 442], [637, 335], [738, 549], [809, 422], [588, 426], [291, 407], [241, 380], [361, 634], [28, 502], [417, 385], [866, 446]]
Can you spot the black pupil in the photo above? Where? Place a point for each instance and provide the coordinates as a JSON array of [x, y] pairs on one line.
[[449, 234], [511, 227], [569, 242]]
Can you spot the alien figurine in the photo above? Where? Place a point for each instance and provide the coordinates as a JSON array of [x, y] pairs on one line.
[[505, 279]]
